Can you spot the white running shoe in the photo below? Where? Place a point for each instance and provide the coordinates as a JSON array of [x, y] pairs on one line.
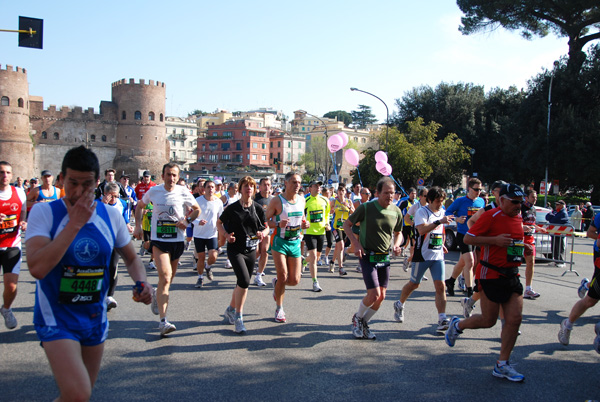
[[316, 287], [110, 303], [258, 281], [280, 315], [239, 326], [564, 333], [583, 288], [357, 327], [229, 315], [507, 371], [398, 311], [154, 304], [166, 327], [228, 264], [151, 265], [467, 306], [9, 318]]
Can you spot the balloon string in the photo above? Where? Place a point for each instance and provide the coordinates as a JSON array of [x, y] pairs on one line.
[[399, 186], [359, 179]]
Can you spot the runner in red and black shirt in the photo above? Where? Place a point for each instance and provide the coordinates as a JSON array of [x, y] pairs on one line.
[[529, 227], [500, 234]]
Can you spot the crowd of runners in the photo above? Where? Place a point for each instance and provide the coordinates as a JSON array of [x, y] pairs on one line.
[[77, 232]]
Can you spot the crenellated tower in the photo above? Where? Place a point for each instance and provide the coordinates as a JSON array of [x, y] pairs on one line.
[[16, 145], [141, 133]]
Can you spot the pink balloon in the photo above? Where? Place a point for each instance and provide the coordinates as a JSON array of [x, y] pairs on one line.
[[384, 168], [334, 143], [344, 138], [352, 156], [381, 156]]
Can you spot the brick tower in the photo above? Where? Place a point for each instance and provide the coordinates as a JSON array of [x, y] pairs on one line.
[[141, 134], [16, 146]]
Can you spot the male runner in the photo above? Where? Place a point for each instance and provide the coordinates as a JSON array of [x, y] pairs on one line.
[[317, 211], [46, 192], [12, 222], [379, 221], [168, 227], [409, 225], [500, 232], [205, 231], [285, 213], [462, 209], [428, 253], [69, 244], [262, 198], [144, 185]]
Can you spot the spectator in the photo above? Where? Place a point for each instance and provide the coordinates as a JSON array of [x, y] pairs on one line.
[[560, 217]]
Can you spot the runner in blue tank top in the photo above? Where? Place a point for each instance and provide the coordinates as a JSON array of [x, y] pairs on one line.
[[69, 244]]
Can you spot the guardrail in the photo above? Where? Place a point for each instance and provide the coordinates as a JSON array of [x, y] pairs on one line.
[[554, 240]]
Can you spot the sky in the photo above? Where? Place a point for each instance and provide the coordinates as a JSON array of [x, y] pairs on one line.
[[241, 55]]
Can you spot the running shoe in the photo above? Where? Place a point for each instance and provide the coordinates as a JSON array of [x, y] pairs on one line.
[[228, 264], [450, 286], [274, 282], [597, 338], [465, 303], [187, 246], [199, 283], [110, 303], [452, 333], [166, 327], [258, 281], [142, 250], [320, 262], [367, 333], [151, 265], [9, 318], [357, 327], [398, 311], [331, 268], [239, 326], [405, 264], [531, 294], [507, 371], [316, 287], [220, 250], [583, 288], [325, 260], [443, 324], [209, 273], [229, 315], [280, 315], [564, 333], [342, 272], [154, 304], [359, 269]]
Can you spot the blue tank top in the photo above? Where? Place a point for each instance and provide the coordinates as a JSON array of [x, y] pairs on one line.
[[72, 294], [42, 197]]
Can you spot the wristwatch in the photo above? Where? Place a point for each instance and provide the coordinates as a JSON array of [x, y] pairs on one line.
[[437, 222], [188, 219]]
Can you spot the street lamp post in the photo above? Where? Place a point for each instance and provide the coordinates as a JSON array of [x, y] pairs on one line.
[[472, 152], [548, 135], [387, 117]]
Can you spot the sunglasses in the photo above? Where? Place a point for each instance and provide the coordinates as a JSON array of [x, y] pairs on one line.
[[515, 202], [476, 189]]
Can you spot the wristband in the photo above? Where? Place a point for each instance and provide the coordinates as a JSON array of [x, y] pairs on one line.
[[188, 219], [437, 222]]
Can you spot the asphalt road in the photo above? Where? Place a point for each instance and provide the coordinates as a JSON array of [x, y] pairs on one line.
[[314, 356]]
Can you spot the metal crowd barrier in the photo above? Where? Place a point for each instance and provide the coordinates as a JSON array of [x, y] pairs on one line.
[[556, 236]]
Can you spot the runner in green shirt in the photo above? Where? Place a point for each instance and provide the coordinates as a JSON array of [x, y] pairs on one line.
[[316, 210]]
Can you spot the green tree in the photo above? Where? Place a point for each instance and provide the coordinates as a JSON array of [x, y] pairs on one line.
[[198, 112], [363, 116], [578, 20], [417, 154], [341, 116]]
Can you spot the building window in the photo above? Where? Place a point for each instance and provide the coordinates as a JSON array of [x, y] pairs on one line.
[[151, 116], [103, 138], [225, 146], [161, 117], [20, 102], [289, 158], [213, 147], [271, 155], [93, 138], [299, 145], [44, 135], [182, 143], [364, 140], [279, 155], [123, 115], [254, 145], [182, 131], [253, 157], [278, 144], [56, 136], [247, 145], [243, 133], [137, 115], [5, 101], [238, 146], [215, 134], [289, 144], [263, 157], [248, 156], [356, 139], [264, 146]]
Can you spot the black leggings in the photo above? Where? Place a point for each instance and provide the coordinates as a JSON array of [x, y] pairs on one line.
[[243, 265], [113, 273], [329, 238]]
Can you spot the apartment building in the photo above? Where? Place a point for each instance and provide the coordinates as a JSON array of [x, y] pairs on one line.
[[182, 135]]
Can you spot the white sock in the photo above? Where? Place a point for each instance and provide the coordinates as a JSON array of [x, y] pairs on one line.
[[441, 316], [362, 310], [370, 313]]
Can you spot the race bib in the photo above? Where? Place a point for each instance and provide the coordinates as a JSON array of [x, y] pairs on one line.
[[339, 224], [166, 229], [8, 224], [435, 241], [251, 242], [471, 211], [80, 285], [380, 260], [514, 252], [292, 232], [316, 216]]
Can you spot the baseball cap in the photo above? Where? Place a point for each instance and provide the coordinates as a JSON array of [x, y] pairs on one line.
[[46, 173], [146, 173], [561, 202], [217, 181], [511, 191], [320, 183], [496, 184], [124, 175]]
